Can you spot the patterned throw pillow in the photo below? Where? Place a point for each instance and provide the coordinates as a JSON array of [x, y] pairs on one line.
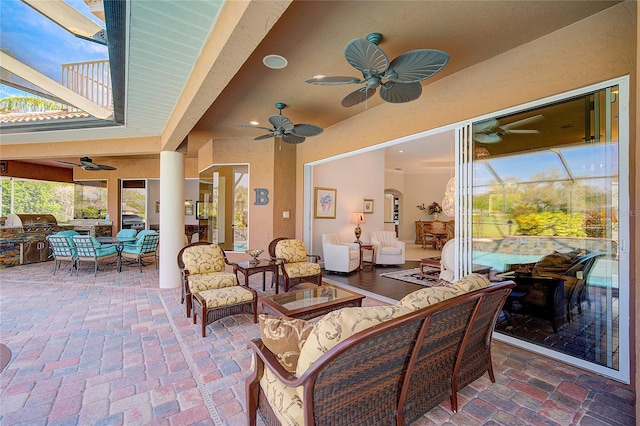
[[472, 282], [428, 296], [284, 337]]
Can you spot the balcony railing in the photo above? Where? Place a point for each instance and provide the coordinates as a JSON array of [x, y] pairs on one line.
[[90, 79]]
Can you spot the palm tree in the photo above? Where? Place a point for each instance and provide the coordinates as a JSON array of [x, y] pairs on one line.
[[28, 104]]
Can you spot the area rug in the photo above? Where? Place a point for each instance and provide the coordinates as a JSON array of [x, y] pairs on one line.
[[413, 276]]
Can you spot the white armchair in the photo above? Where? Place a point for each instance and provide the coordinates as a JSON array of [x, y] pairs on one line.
[[339, 257], [389, 250]]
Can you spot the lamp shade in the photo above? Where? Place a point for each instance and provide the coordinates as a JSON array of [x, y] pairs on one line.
[[357, 217]]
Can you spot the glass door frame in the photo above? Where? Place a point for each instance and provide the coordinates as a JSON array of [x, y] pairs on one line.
[[464, 187]]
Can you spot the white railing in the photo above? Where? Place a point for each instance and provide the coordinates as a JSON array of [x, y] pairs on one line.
[[90, 79]]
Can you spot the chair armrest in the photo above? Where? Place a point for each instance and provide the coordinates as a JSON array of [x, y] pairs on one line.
[[270, 361], [352, 246], [314, 258]]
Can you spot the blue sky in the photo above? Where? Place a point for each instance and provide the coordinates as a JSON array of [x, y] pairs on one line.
[[42, 44]]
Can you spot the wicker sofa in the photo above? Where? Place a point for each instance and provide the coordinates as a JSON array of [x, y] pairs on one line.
[[375, 365]]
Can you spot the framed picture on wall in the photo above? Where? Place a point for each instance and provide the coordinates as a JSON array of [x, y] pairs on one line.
[[325, 199], [188, 208], [367, 205]]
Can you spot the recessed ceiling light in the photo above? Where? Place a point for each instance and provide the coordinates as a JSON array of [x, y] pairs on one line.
[[401, 151], [275, 62], [254, 122]]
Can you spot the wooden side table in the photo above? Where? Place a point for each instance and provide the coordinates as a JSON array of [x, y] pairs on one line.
[[363, 264], [248, 268]]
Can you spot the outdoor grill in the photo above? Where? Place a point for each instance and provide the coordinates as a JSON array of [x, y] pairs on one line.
[[34, 246]]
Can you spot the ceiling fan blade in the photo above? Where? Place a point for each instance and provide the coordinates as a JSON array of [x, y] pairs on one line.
[[416, 65], [249, 126], [306, 130], [357, 96], [522, 122], [487, 138], [289, 138], [267, 136], [281, 122], [334, 80], [521, 131], [104, 167], [484, 126], [366, 56], [398, 93], [67, 162]]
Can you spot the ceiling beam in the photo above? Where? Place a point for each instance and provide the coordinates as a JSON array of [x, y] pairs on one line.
[[40, 80], [70, 19]]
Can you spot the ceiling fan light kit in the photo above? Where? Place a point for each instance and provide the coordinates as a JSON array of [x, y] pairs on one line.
[[285, 129], [398, 80]]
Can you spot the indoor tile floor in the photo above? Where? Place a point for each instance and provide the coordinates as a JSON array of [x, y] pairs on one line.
[[115, 349]]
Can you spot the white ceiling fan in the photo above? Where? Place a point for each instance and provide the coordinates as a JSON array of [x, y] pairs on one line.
[[491, 131]]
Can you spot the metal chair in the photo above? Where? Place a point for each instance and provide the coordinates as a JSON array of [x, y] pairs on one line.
[[89, 249], [145, 247], [62, 250]]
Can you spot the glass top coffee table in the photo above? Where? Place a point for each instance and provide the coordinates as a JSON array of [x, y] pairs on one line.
[[310, 302]]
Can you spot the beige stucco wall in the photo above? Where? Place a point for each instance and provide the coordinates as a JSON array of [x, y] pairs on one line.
[[599, 48]]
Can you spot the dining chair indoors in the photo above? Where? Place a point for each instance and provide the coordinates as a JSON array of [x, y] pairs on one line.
[[89, 249]]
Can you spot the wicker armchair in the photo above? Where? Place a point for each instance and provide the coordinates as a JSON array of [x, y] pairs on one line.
[[212, 292], [297, 266]]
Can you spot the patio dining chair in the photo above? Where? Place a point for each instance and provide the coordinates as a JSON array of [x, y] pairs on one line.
[[89, 249], [145, 247], [62, 250]]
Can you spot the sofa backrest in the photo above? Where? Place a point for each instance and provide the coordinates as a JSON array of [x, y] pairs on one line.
[[411, 358]]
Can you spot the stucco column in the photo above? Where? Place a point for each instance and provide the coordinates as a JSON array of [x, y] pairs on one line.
[[171, 216]]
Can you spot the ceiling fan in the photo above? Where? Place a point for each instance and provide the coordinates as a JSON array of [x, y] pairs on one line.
[[491, 131], [87, 164], [283, 127], [399, 80]]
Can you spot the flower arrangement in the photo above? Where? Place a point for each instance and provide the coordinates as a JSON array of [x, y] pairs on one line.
[[434, 208]]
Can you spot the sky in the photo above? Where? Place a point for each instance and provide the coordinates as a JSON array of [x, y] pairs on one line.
[[42, 44]]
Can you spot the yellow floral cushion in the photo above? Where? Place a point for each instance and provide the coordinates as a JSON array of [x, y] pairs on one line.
[[472, 282], [291, 251], [285, 402], [226, 296], [339, 325], [203, 259], [428, 296], [284, 337], [202, 282], [302, 269]]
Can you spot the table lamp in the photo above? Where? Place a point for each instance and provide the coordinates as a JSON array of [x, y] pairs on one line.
[[358, 218]]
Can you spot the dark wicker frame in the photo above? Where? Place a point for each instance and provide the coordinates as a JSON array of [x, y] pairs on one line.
[[184, 273], [394, 372], [210, 315]]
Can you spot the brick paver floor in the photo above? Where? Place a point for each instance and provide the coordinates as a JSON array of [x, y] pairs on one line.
[[115, 349]]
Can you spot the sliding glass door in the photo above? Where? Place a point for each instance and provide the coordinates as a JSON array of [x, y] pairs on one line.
[[548, 191]]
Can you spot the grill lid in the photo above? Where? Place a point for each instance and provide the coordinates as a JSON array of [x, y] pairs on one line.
[[30, 220]]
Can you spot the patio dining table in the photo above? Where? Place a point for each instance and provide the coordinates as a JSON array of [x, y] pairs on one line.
[[118, 243]]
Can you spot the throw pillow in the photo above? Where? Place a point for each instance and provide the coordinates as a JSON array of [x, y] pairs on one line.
[[284, 337], [472, 282], [428, 296]]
